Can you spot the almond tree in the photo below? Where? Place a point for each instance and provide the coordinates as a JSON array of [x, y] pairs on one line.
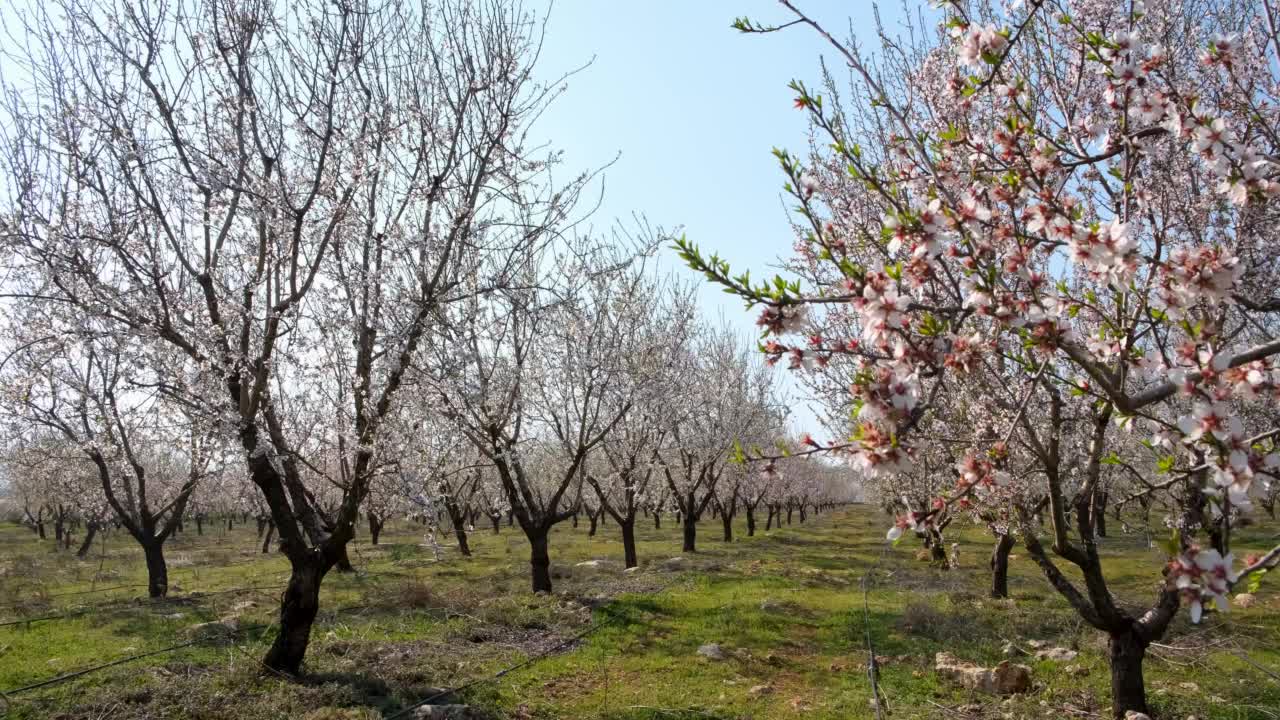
[[533, 378], [1067, 207], [724, 401], [86, 392], [282, 195], [622, 472]]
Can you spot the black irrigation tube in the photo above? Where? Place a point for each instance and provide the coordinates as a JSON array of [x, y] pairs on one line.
[[79, 673], [109, 608], [190, 568], [121, 661], [112, 604]]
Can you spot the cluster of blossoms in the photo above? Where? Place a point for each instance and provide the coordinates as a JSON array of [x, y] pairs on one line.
[[912, 520], [1107, 252], [882, 309], [979, 476], [1207, 379], [1202, 576], [1007, 239], [784, 320], [979, 41], [1196, 275]]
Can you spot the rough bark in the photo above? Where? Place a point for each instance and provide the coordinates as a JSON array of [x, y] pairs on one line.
[[343, 565], [266, 542], [91, 530], [458, 519], [298, 608], [629, 543], [540, 561], [1100, 515], [1000, 566], [157, 570], [1128, 691], [751, 521], [690, 533]]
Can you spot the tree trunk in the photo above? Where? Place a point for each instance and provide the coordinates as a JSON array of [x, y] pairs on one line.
[[575, 521], [496, 519], [937, 551], [58, 530], [1100, 516], [629, 542], [592, 531], [460, 532], [40, 529], [690, 533], [726, 518], [458, 519], [1128, 692], [298, 608], [199, 524], [262, 526], [802, 515], [540, 561], [344, 561], [375, 527], [157, 571], [751, 521], [1000, 566], [789, 511], [230, 527], [657, 520], [266, 543], [769, 523], [89, 533]]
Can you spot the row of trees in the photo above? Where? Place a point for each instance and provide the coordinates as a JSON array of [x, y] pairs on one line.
[[1036, 277], [313, 246], [57, 496]]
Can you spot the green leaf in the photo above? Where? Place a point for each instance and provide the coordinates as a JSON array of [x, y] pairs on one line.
[[1255, 581]]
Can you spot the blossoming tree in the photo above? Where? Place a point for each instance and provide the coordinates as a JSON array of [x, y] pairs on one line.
[[282, 198], [1065, 206]]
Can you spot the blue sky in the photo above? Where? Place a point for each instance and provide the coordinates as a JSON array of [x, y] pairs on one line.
[[695, 108], [691, 109]]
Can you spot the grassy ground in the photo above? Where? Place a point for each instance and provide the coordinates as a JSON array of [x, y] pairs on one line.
[[785, 607]]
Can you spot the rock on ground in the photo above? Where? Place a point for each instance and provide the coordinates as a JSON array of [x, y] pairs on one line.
[[675, 563], [218, 630], [711, 651], [1059, 654], [1004, 679], [447, 712]]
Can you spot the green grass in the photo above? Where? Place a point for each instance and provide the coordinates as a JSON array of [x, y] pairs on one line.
[[786, 607]]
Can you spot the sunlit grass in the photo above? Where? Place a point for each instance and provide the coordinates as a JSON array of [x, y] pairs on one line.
[[786, 607]]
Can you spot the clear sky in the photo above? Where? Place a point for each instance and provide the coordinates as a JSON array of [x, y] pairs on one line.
[[695, 108], [691, 109]]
